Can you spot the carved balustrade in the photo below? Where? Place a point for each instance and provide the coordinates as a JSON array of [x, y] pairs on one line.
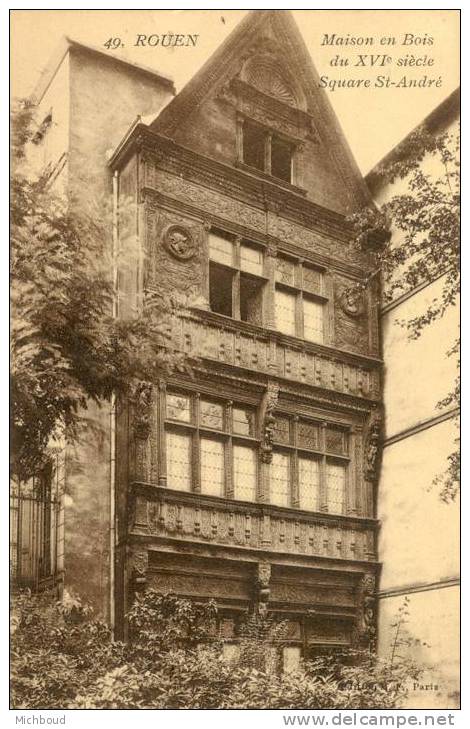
[[164, 513], [250, 347]]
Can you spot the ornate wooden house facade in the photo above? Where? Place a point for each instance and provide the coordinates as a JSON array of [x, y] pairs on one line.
[[253, 481]]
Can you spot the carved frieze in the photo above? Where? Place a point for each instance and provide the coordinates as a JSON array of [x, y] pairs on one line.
[[255, 526], [222, 196], [275, 354]]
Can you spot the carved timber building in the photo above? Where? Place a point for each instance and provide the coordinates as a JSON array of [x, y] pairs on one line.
[[254, 481]]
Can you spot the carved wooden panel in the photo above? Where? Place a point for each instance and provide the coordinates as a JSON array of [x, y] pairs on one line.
[[266, 352], [171, 514], [219, 202], [174, 247]]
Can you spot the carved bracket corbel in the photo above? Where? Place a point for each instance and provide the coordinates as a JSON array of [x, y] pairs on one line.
[[268, 421], [373, 442], [142, 410], [139, 568], [366, 627], [262, 587]]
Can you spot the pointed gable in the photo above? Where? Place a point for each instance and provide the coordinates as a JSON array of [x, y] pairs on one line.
[[261, 84]]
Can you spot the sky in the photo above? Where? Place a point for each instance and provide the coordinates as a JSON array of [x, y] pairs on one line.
[[374, 119]]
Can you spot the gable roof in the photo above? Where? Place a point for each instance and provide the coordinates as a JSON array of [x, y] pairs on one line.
[[297, 60]]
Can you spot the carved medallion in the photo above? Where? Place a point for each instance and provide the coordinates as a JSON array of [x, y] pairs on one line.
[[352, 302], [179, 242]]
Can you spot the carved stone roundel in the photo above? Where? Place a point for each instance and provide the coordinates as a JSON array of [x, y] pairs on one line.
[[352, 302], [179, 242]]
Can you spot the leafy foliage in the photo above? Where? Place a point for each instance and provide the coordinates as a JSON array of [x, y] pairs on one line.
[[425, 219], [63, 658], [67, 348]]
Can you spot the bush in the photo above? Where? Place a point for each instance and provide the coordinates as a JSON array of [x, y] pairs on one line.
[[63, 658]]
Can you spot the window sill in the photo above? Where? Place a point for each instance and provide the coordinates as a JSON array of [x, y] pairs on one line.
[[270, 178]]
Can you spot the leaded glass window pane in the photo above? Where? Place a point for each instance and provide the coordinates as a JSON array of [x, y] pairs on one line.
[[244, 473], [312, 280], [212, 467], [307, 435], [281, 430], [335, 487], [243, 421], [251, 260], [284, 303], [221, 249], [313, 320], [309, 483], [284, 271], [212, 415], [336, 440], [178, 449], [279, 479], [178, 408]]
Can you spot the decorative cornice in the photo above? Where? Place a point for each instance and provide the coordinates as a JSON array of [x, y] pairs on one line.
[[166, 154], [324, 563], [166, 202], [317, 395]]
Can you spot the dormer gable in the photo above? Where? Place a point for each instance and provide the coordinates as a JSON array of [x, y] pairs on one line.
[[257, 105]]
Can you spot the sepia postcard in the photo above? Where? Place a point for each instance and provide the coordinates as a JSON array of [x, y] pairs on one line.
[[235, 394]]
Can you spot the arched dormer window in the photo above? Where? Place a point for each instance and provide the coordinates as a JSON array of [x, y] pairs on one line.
[[271, 119]]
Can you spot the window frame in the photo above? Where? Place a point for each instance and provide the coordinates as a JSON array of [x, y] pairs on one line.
[[269, 134], [297, 450], [238, 272], [298, 290], [288, 441], [197, 431]]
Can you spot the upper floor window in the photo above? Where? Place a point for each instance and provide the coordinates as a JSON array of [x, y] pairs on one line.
[[236, 278], [211, 446], [299, 301], [267, 152], [310, 465]]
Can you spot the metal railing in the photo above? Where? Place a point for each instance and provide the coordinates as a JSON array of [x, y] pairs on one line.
[[34, 532]]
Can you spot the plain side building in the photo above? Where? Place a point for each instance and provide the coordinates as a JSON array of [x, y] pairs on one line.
[[419, 537], [60, 530]]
